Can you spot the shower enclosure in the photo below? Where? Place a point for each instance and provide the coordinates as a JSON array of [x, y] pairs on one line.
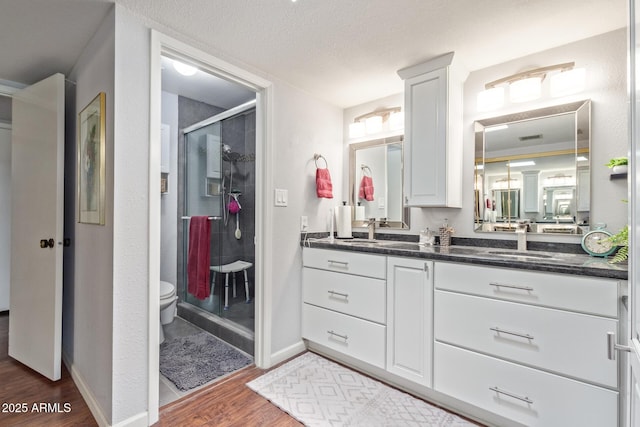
[[218, 181]]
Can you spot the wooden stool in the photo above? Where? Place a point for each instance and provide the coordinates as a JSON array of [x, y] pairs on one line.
[[234, 267]]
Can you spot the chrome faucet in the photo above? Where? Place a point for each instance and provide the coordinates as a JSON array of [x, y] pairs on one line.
[[521, 232], [371, 225]]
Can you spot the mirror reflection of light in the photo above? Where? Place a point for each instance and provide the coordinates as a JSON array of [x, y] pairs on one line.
[[581, 159], [521, 164], [495, 128]]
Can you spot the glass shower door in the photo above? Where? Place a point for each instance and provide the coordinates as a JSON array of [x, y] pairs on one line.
[[204, 196]]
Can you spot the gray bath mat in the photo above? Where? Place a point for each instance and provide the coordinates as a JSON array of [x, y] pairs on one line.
[[197, 359]]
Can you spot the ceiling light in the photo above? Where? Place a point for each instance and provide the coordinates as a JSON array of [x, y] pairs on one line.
[[184, 69]]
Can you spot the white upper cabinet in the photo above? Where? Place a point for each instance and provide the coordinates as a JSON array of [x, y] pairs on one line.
[[433, 133]]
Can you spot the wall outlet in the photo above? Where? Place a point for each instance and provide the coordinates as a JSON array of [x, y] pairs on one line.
[[304, 223]]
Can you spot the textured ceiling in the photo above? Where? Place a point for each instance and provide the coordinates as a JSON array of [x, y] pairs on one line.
[[343, 51]]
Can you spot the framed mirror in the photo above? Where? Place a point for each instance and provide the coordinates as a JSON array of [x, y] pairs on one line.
[[534, 166], [376, 183]]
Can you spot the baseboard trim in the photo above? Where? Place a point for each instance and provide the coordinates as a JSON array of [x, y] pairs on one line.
[[287, 353], [88, 397]]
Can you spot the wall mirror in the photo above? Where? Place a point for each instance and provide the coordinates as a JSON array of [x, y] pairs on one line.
[[534, 166], [375, 182]]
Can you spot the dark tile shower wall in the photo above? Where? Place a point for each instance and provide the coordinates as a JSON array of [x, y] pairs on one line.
[[239, 134]]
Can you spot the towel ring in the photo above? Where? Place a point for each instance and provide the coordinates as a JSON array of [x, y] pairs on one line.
[[365, 169], [316, 157]]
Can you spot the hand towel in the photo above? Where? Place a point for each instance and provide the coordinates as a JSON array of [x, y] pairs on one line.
[[198, 257], [324, 188], [366, 188]]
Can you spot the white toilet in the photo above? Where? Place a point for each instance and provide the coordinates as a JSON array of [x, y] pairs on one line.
[[168, 303]]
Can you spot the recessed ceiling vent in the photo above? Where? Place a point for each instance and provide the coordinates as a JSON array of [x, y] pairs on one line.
[[530, 137]]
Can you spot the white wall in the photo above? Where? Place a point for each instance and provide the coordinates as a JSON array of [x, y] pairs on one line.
[[130, 217], [604, 58], [169, 202], [88, 287], [302, 126], [5, 214]]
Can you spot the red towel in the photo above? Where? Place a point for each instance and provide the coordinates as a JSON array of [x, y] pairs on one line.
[[324, 188], [366, 188], [198, 257]]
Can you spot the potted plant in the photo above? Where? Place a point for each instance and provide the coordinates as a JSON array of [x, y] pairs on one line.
[[618, 164], [621, 239]]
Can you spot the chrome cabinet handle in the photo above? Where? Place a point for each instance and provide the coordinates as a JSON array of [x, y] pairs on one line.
[[515, 396], [612, 347], [517, 334], [340, 294], [504, 285], [341, 263], [344, 337]]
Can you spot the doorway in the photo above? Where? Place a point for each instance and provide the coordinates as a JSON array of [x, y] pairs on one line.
[[261, 90]]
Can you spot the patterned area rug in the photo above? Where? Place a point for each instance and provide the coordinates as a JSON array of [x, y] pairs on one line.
[[318, 392], [197, 359]]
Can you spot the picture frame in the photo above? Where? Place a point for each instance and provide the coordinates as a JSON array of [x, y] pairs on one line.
[[91, 161]]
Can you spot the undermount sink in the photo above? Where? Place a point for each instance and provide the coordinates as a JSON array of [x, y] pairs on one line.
[[521, 254]]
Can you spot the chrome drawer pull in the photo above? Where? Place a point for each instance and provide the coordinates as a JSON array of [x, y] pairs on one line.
[[504, 285], [344, 337], [515, 396], [517, 334], [340, 263], [334, 293], [612, 347]]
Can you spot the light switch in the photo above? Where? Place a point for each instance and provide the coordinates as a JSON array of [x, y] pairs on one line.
[[282, 197]]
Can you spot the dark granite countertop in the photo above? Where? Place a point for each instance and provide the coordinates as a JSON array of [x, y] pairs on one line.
[[554, 262]]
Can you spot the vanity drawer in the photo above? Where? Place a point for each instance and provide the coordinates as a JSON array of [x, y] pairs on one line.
[[354, 337], [346, 262], [525, 395], [575, 293], [358, 296], [567, 343]]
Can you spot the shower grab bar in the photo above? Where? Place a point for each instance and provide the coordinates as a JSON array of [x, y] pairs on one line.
[[211, 218]]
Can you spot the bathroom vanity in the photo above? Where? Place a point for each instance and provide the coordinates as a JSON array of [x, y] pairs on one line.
[[501, 336]]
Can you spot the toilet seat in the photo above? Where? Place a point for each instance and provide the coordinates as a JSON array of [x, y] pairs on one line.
[[167, 290]]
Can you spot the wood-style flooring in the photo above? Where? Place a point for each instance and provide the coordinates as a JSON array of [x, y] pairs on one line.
[[57, 403], [225, 403]]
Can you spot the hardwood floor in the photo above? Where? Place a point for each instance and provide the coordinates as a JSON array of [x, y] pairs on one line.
[[29, 399], [226, 403]]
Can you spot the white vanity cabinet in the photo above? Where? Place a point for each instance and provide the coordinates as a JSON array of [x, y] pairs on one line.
[[344, 303], [433, 133], [525, 345], [410, 319]]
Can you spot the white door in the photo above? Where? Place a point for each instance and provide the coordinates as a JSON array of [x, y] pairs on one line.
[[37, 202]]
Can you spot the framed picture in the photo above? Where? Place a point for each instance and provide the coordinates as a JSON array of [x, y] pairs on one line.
[[91, 161]]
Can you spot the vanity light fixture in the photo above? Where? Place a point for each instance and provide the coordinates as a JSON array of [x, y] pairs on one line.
[[527, 85], [184, 69], [374, 122]]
